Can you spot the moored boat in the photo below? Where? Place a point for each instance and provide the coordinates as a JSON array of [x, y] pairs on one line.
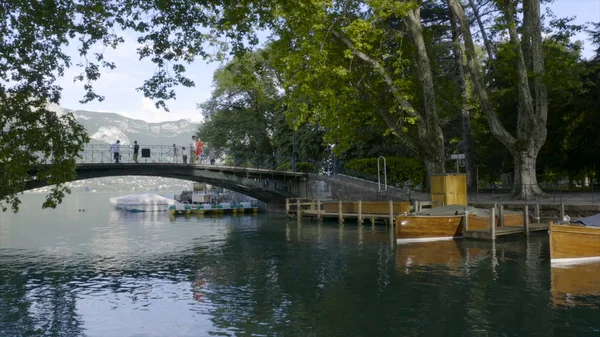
[[143, 202], [575, 242], [447, 223]]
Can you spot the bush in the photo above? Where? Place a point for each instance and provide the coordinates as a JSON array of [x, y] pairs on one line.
[[400, 170]]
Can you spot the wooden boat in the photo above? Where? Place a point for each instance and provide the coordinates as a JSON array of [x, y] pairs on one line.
[[569, 282], [446, 223], [574, 243]]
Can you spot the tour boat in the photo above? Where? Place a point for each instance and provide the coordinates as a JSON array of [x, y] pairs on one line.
[[447, 223], [576, 241], [142, 202]]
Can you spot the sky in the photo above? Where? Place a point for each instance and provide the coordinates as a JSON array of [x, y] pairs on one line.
[[118, 86]]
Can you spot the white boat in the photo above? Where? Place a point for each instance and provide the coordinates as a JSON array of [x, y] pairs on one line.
[[143, 202]]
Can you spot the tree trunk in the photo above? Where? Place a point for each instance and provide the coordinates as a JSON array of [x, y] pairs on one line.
[[464, 108], [525, 178], [434, 165]]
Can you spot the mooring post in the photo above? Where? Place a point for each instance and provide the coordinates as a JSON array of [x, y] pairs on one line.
[[538, 218], [493, 223], [417, 206], [298, 213], [501, 215], [466, 215], [391, 212], [287, 207], [340, 215], [312, 204], [562, 212], [360, 219], [526, 219], [318, 209]]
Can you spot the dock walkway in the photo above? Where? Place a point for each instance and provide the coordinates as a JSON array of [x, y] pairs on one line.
[[486, 234]]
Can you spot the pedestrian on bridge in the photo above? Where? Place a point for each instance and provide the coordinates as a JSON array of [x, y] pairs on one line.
[[174, 153], [199, 146], [136, 150], [193, 150], [115, 151]]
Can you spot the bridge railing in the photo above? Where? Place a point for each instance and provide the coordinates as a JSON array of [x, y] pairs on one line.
[[167, 154]]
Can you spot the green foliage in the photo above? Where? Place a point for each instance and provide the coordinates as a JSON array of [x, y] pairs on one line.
[[245, 116], [239, 114], [400, 170]]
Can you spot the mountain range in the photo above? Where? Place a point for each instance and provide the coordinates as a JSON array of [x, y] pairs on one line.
[[104, 128], [107, 127]]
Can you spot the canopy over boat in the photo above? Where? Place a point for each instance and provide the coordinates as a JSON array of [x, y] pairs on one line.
[[143, 202], [590, 221]]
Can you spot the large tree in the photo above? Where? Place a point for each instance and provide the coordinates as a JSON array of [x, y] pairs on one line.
[[531, 132], [349, 64], [245, 116]]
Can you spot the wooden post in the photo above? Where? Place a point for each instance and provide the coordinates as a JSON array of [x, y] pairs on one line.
[[501, 215], [417, 206], [360, 219], [312, 204], [466, 227], [298, 213], [538, 218], [340, 215], [493, 223], [526, 219], [391, 212], [287, 207], [562, 212], [318, 209]]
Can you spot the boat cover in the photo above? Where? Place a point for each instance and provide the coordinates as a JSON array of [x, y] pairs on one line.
[[143, 202], [459, 210], [590, 221]]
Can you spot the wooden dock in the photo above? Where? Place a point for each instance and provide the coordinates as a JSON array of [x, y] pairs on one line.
[[373, 211], [388, 211], [486, 234]]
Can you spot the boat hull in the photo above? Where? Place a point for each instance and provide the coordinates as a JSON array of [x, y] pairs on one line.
[[572, 244], [423, 228], [427, 228]]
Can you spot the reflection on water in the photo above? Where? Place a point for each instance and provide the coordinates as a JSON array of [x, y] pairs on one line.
[[572, 285], [108, 273]]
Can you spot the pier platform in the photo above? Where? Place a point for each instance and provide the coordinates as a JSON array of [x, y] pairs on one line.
[[487, 234]]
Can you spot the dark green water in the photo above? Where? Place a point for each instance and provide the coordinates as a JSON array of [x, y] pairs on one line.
[[106, 273]]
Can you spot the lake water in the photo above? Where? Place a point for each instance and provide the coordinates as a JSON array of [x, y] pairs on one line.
[[108, 273]]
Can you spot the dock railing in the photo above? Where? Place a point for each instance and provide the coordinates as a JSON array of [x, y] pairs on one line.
[[359, 210]]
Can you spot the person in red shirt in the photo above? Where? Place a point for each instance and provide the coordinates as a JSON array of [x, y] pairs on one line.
[[199, 146]]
